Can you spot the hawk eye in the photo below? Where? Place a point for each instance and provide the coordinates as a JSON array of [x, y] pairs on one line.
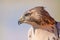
[[27, 14]]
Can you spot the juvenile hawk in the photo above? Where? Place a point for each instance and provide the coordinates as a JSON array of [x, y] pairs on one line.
[[44, 27]]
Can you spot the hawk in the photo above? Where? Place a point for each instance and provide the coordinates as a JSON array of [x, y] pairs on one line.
[[44, 27]]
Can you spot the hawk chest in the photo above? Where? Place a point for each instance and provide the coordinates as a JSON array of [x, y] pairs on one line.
[[39, 34]]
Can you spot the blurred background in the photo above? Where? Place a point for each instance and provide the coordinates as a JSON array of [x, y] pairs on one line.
[[11, 10]]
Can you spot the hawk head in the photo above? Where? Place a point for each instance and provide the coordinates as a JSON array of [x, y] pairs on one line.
[[36, 16]]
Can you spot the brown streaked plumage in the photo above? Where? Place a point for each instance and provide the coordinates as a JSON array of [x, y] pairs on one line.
[[43, 25]]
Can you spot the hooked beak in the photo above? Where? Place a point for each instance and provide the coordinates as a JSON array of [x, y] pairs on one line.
[[21, 20]]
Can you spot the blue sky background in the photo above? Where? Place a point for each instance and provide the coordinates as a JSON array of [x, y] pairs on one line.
[[11, 10]]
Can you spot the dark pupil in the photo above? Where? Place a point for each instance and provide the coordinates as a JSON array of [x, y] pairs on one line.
[[27, 14]]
